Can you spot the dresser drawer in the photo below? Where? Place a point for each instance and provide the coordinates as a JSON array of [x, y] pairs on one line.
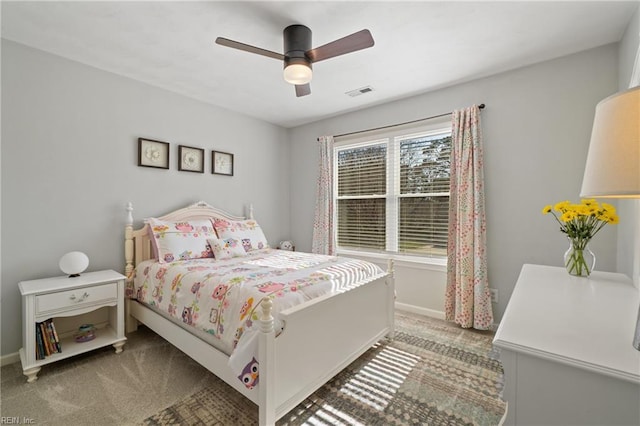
[[78, 298]]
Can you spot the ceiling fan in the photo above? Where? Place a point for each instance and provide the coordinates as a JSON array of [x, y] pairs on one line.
[[298, 54]]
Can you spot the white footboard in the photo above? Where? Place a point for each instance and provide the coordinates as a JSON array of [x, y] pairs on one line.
[[322, 338]]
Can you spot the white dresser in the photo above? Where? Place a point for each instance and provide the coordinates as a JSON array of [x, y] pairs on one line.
[[566, 349]]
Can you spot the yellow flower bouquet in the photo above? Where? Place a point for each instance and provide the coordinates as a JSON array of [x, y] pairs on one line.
[[581, 222]]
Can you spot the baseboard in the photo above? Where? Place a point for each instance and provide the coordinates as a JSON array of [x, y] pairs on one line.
[[504, 416], [9, 359], [420, 310], [430, 313]]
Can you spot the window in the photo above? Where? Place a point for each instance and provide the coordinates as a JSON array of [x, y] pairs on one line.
[[392, 193], [362, 189]]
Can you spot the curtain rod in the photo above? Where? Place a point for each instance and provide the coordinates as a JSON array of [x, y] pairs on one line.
[[481, 106]]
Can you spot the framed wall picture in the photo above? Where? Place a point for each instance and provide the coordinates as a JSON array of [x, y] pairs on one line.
[[153, 153], [190, 159], [221, 163]]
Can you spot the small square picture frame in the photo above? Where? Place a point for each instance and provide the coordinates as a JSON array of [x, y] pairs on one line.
[[221, 163], [190, 159], [152, 153]]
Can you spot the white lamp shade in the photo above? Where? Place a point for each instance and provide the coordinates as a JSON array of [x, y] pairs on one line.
[[613, 163], [297, 73], [74, 263]]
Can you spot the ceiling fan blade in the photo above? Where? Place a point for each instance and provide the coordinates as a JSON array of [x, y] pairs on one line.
[[248, 48], [303, 89], [351, 43]]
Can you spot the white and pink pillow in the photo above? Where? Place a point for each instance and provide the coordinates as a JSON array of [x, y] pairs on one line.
[[248, 232], [226, 248], [181, 240]]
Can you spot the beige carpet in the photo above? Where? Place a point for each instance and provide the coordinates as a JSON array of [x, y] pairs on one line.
[[449, 376], [102, 388]]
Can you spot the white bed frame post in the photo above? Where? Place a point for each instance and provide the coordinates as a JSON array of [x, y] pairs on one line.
[[128, 243], [130, 323], [267, 404]]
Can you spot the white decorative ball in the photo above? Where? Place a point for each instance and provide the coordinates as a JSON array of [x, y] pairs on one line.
[[74, 263]]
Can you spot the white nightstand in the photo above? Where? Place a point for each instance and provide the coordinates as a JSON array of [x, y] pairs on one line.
[[69, 301]]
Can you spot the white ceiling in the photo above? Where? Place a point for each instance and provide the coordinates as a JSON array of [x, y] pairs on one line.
[[419, 46]]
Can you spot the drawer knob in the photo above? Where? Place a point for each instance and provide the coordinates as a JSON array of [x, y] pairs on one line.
[[78, 300]]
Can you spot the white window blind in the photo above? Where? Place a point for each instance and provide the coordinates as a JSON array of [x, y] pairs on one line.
[[392, 194], [362, 189], [423, 178]]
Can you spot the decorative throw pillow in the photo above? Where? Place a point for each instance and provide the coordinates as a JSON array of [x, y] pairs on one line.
[[181, 240], [248, 232], [226, 248]]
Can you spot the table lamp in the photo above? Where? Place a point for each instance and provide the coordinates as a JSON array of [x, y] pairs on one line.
[[613, 161], [74, 263]]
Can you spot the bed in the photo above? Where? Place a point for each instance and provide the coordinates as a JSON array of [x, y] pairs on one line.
[[299, 346]]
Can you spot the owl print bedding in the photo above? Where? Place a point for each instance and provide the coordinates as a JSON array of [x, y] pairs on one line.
[[220, 299]]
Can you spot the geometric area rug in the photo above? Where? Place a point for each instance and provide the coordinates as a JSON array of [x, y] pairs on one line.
[[431, 373]]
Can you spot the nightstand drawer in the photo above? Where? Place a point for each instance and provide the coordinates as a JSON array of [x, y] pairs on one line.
[[76, 298]]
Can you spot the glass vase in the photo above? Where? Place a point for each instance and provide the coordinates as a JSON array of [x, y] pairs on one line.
[[578, 259]]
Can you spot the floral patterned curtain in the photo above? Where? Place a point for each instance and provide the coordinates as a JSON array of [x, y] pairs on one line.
[[468, 300], [323, 241]]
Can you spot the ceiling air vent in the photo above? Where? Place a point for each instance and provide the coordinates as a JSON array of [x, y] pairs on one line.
[[360, 91]]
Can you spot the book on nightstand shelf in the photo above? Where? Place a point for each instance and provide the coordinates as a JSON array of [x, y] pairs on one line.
[[47, 341]]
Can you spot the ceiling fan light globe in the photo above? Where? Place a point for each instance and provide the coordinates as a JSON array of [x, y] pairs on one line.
[[297, 74]]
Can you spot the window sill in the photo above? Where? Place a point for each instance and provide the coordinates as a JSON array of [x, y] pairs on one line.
[[431, 263]]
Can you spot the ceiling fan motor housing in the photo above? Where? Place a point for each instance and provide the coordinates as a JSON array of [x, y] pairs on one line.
[[297, 41]]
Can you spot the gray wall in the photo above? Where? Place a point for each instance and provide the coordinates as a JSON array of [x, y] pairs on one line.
[[628, 50], [69, 165], [629, 230], [536, 125]]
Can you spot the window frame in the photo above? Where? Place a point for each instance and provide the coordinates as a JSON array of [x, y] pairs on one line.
[[392, 137]]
